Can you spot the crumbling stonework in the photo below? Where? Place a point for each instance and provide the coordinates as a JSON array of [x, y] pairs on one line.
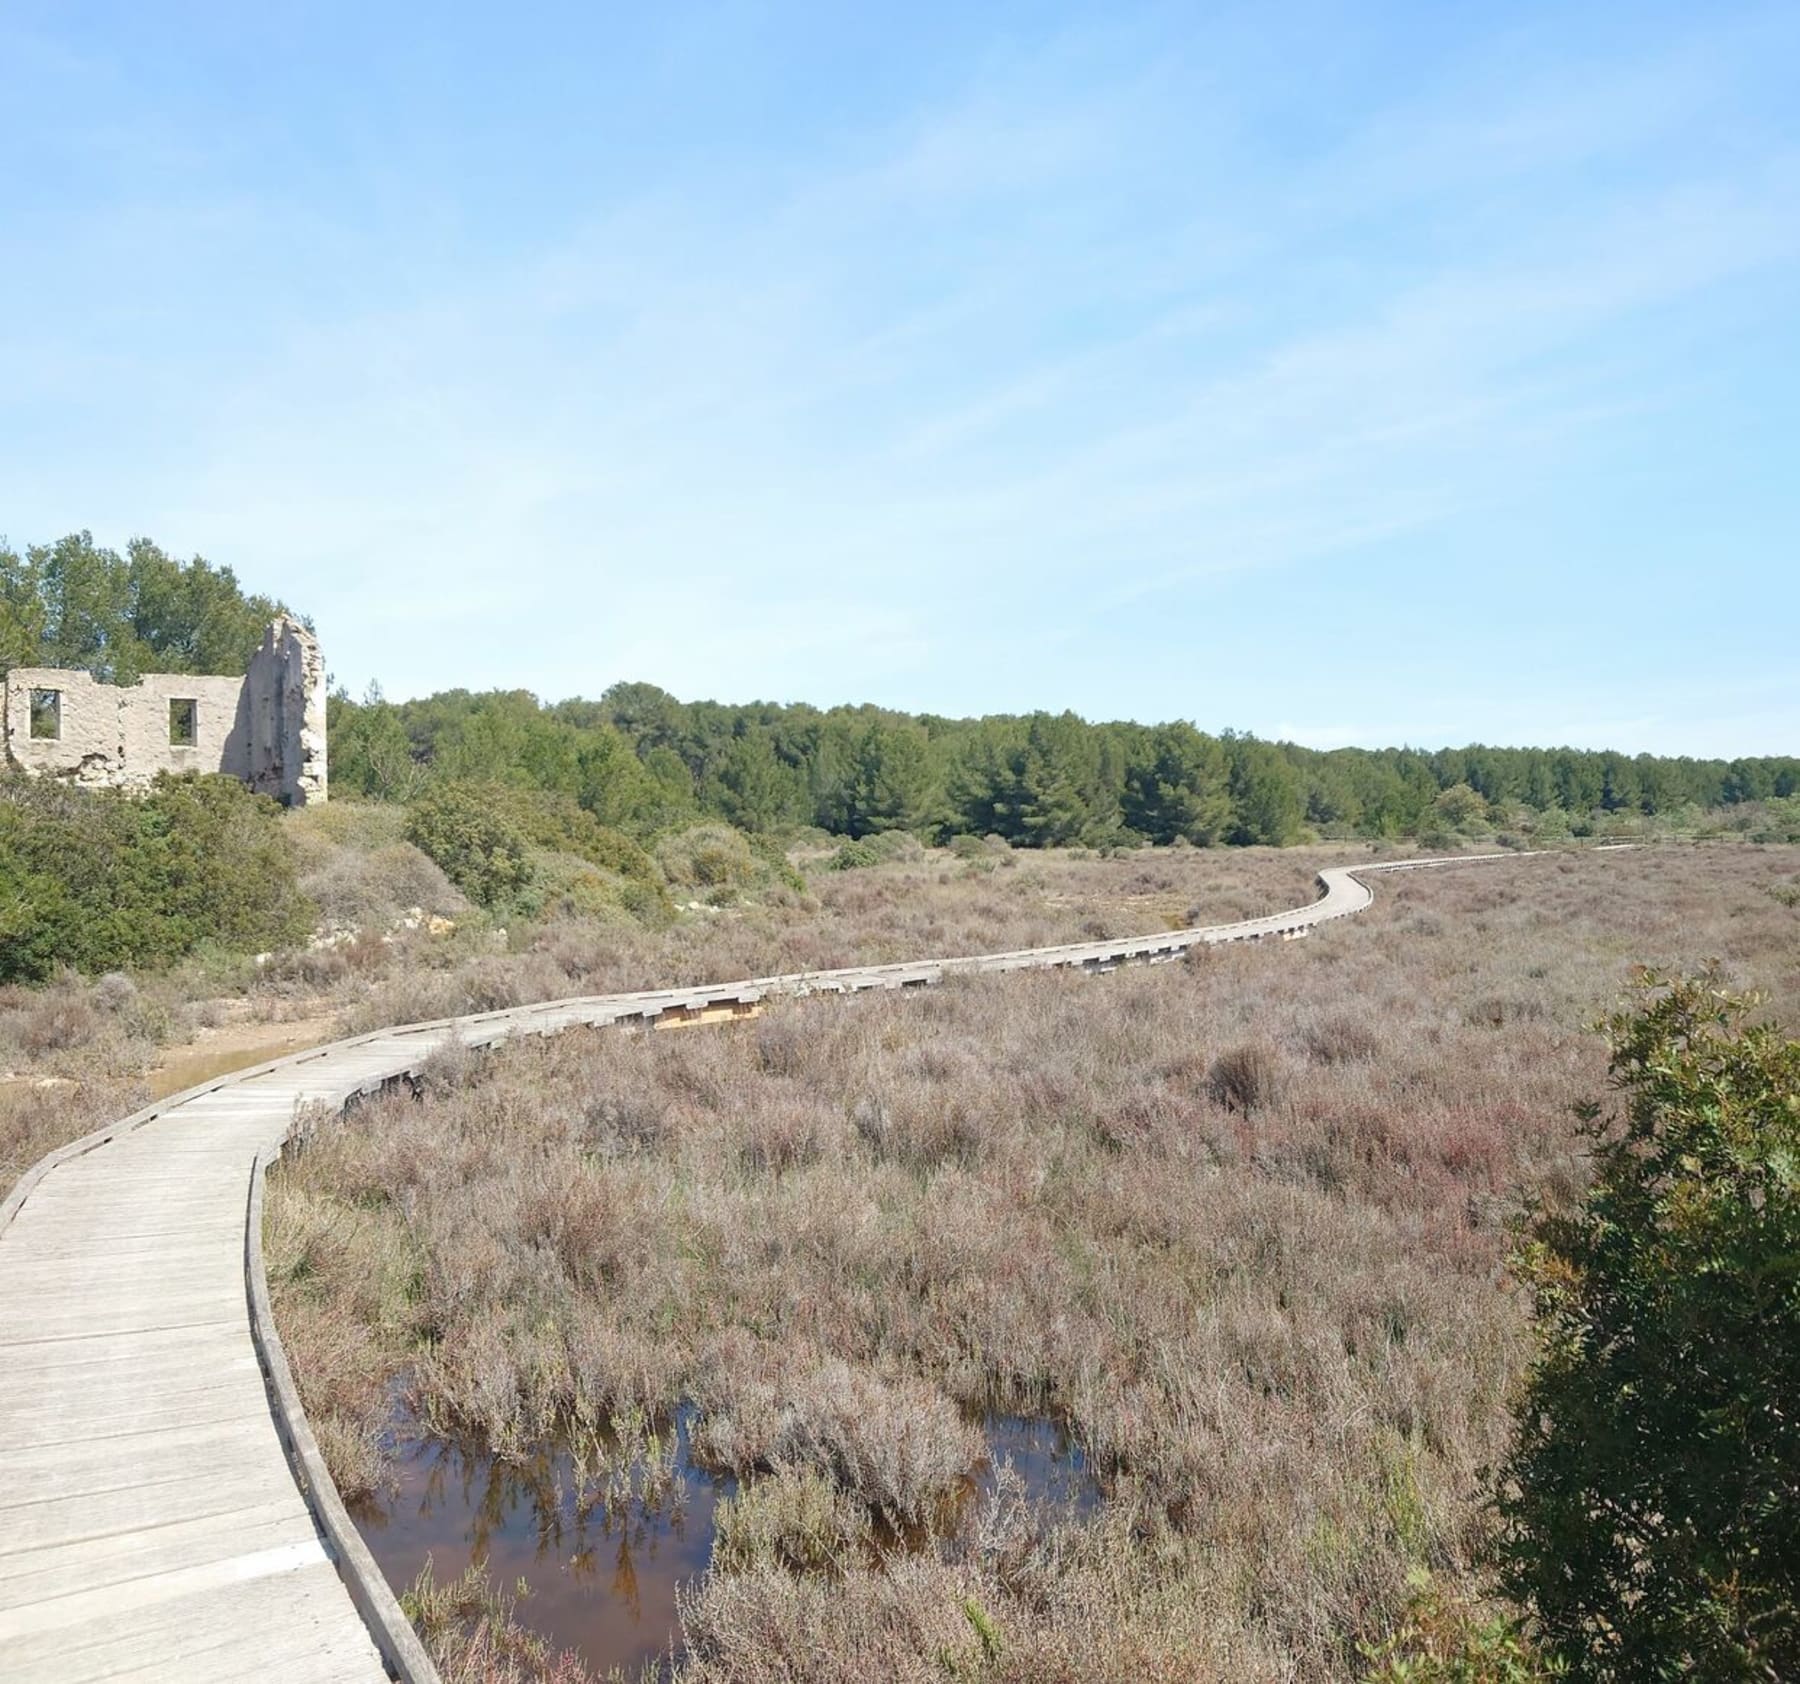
[[286, 691], [267, 727]]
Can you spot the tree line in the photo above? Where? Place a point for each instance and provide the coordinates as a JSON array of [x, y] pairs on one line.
[[76, 604], [640, 759]]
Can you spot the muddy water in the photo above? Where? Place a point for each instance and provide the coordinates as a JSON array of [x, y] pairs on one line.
[[235, 1048], [602, 1570]]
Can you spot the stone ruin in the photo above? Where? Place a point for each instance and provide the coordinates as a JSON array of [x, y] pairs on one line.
[[267, 728]]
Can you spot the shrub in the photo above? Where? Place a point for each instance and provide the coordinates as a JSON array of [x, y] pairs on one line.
[[567, 886], [1443, 1640], [56, 1115], [58, 1025], [1244, 1078], [879, 849], [707, 856], [472, 1628], [376, 886], [531, 854], [480, 850], [342, 824], [774, 859], [1460, 808], [897, 1445], [114, 993], [1650, 1512], [796, 1519], [855, 856], [559, 824], [357, 867], [99, 880], [1341, 1038]]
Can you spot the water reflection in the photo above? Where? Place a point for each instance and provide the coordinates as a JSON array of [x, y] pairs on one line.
[[602, 1549], [1049, 1462], [604, 1539]]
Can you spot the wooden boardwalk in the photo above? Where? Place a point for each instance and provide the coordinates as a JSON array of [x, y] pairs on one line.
[[164, 1513]]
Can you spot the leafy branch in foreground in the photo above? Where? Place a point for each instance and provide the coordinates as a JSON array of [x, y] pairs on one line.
[[1652, 1510]]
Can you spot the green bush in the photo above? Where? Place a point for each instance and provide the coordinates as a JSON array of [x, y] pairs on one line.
[[776, 864], [102, 881], [1460, 808], [567, 886], [1445, 1640], [559, 824], [879, 849], [473, 840], [1778, 821], [358, 869], [1652, 1504], [531, 854], [707, 856], [854, 856]]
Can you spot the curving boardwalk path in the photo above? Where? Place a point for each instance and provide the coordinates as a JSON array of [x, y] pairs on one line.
[[164, 1512]]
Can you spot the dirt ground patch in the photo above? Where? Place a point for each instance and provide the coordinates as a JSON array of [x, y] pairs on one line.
[[235, 1046]]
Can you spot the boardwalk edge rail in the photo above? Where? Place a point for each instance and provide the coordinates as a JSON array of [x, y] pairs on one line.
[[399, 1644], [393, 1632]]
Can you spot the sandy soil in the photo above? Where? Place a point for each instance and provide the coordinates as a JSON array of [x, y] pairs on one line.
[[234, 1046]]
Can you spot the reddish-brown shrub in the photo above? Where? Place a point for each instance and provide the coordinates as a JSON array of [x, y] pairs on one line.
[[1245, 1078]]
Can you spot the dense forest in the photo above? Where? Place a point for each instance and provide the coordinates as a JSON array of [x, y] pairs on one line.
[[640, 760]]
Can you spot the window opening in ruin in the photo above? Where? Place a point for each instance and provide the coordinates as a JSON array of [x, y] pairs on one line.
[[184, 722], [46, 714]]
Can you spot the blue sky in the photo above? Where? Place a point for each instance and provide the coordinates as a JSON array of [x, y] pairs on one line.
[[1409, 373]]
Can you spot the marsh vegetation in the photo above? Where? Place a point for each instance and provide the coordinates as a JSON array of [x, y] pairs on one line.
[[397, 943], [1238, 1226]]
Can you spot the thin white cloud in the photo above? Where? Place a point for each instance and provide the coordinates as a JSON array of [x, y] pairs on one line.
[[1075, 341]]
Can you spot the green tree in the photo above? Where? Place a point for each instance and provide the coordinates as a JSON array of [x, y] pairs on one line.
[[1265, 793], [21, 611], [75, 604], [982, 784], [87, 608], [1652, 1503], [1619, 786], [1331, 794], [753, 788], [1050, 789], [614, 784], [1178, 786], [890, 781], [650, 717], [191, 616], [669, 790], [1461, 807], [371, 753]]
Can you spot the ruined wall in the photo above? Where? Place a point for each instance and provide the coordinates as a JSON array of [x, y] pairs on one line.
[[286, 692], [267, 728], [115, 736]]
